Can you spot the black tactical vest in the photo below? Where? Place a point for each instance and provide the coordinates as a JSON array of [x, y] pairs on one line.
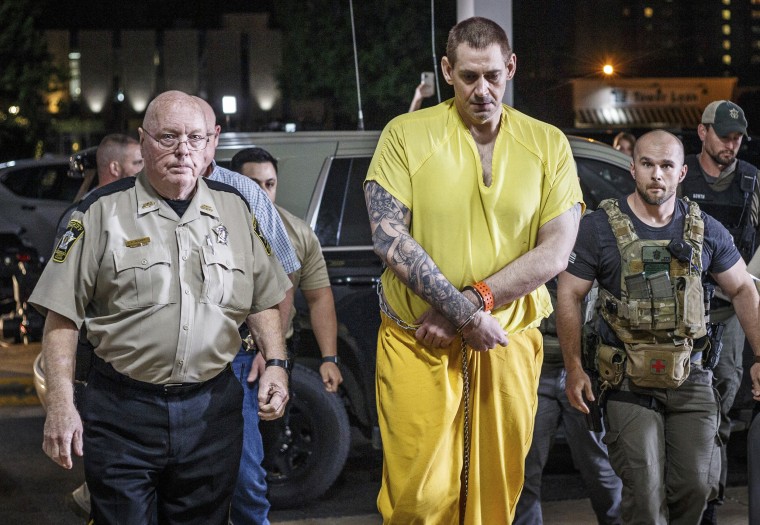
[[730, 207]]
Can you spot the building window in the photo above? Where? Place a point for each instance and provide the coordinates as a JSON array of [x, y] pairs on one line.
[[726, 45], [756, 44], [726, 2], [727, 60], [648, 12], [726, 14], [726, 29], [755, 13], [75, 75]]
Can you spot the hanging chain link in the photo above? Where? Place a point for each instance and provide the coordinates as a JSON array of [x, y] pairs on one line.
[[466, 463]]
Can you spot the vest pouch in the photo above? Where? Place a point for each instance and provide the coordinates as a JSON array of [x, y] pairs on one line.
[[690, 294], [661, 365], [610, 363], [654, 314]]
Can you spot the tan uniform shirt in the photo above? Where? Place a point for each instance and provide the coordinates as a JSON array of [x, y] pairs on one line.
[[313, 272], [161, 297]]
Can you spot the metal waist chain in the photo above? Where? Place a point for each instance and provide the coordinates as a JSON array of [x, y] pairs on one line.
[[465, 399], [387, 311]]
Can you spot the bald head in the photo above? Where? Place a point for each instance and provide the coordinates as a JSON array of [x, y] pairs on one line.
[[212, 129], [208, 113], [659, 139], [168, 103]]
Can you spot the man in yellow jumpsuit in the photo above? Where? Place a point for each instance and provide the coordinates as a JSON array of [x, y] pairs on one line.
[[473, 206]]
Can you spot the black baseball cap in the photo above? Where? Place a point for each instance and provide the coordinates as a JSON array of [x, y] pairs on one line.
[[725, 117]]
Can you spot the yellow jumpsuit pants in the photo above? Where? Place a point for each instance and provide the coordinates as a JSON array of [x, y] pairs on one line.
[[420, 408]]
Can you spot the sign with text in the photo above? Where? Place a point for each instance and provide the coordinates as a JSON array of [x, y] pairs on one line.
[[645, 102]]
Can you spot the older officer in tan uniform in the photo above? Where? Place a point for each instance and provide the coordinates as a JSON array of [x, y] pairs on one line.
[[158, 270]]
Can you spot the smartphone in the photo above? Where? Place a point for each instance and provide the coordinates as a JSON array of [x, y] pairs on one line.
[[428, 83]]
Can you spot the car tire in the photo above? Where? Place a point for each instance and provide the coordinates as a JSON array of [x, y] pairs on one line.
[[305, 451]]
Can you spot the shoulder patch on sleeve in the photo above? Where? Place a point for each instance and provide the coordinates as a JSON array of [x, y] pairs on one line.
[[74, 231], [260, 235]]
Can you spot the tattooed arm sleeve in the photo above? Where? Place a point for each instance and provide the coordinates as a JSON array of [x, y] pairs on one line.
[[390, 221]]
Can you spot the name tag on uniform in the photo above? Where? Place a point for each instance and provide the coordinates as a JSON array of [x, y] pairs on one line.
[[134, 243]]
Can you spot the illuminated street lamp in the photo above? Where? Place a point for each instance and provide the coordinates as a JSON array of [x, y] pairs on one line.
[[608, 70]]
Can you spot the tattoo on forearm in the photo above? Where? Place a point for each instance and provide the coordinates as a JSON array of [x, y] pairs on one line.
[[390, 222]]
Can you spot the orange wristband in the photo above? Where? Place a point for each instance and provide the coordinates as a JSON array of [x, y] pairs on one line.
[[485, 293]]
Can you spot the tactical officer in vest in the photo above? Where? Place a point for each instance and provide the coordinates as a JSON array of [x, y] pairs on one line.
[[725, 188], [650, 253]]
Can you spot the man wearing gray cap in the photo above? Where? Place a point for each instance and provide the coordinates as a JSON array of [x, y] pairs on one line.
[[725, 188]]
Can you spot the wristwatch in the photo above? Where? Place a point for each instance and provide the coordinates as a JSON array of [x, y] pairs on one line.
[[330, 359], [287, 364]]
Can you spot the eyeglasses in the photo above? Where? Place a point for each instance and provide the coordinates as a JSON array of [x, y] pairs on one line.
[[170, 142]]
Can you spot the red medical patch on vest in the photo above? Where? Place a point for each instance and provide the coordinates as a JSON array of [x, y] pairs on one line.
[[657, 366]]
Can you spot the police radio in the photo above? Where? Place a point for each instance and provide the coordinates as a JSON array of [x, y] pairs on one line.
[[680, 249], [747, 184]]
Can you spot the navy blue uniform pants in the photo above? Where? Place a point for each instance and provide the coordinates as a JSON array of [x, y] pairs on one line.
[[176, 451]]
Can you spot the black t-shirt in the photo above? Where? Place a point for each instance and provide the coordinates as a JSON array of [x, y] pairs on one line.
[[180, 206], [596, 255]]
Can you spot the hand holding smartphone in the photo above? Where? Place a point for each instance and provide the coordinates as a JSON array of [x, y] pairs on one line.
[[428, 84]]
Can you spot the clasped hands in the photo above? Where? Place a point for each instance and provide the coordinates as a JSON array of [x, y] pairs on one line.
[[482, 333]]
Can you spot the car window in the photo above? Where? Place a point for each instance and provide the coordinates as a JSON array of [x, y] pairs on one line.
[[342, 218], [600, 180], [43, 182]]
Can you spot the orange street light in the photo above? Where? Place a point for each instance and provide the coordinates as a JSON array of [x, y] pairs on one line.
[[607, 69]]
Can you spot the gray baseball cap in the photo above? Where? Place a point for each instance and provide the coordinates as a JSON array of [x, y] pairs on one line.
[[725, 117]]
